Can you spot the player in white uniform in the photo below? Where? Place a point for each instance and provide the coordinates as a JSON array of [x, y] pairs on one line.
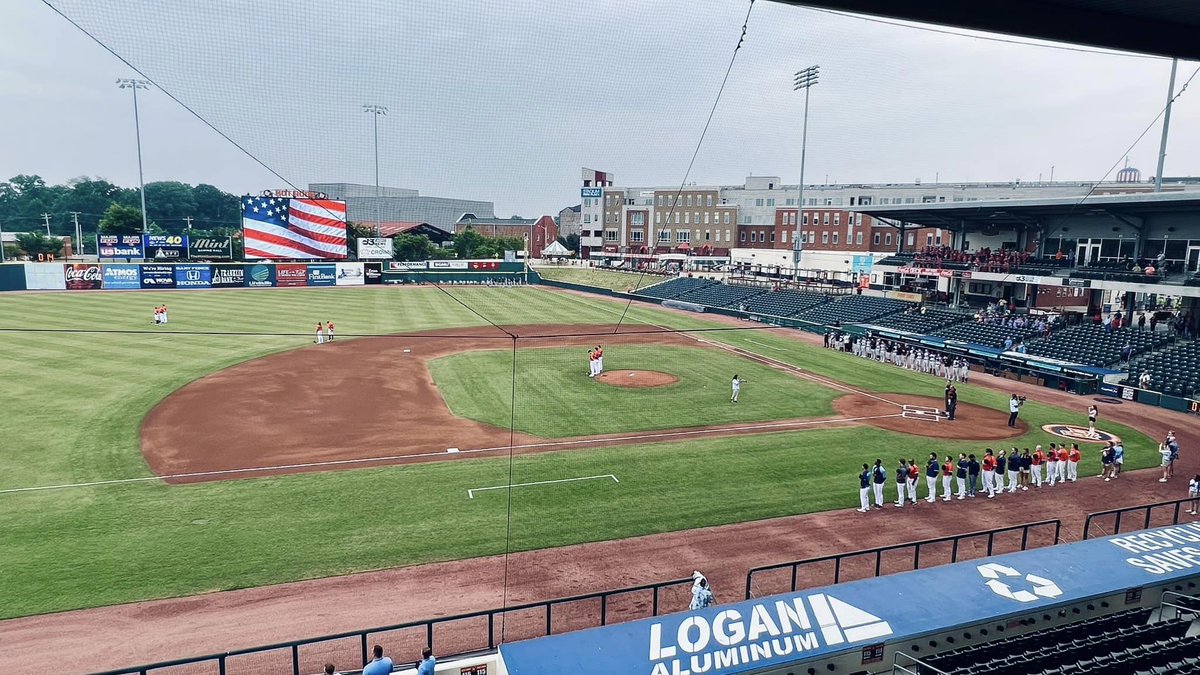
[[737, 389]]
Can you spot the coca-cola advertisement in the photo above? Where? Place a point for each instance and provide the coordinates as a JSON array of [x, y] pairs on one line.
[[82, 276]]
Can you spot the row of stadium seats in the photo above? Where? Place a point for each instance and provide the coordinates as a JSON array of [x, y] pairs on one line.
[[1174, 371], [922, 323], [988, 334], [1120, 643], [784, 302], [1128, 277], [853, 309], [1092, 344], [722, 295], [673, 288]]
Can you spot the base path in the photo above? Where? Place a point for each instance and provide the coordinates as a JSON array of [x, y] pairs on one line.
[[123, 635]]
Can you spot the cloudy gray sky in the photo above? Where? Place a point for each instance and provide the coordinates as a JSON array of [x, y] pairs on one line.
[[506, 99]]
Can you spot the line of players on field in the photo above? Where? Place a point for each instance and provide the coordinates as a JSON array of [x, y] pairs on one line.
[[1022, 469]]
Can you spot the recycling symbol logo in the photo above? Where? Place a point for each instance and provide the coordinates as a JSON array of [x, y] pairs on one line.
[[1002, 578]]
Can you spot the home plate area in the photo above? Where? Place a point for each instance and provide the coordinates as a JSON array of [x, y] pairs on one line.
[[921, 412]]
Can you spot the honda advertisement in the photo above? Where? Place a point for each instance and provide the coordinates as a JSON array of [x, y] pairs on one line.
[[82, 276], [111, 246], [158, 276], [193, 276]]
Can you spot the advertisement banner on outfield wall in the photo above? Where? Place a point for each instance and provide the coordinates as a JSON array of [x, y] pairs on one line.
[[374, 248], [210, 248], [45, 277], [350, 274], [228, 276], [121, 277], [324, 274], [373, 273], [261, 276], [193, 276], [291, 275], [112, 246], [448, 264], [165, 246], [82, 276], [158, 276], [406, 266]]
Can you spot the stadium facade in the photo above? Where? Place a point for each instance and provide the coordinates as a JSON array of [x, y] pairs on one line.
[[402, 205]]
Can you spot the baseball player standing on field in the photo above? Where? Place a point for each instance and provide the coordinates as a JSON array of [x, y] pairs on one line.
[[947, 474], [864, 489], [320, 334], [931, 476], [878, 478], [737, 388], [901, 482], [914, 473], [599, 359]]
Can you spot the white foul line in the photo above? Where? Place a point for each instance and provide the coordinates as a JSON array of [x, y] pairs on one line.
[[442, 453], [763, 344], [472, 491]]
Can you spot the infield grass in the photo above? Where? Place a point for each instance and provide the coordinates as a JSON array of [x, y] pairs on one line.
[[555, 397], [72, 403]]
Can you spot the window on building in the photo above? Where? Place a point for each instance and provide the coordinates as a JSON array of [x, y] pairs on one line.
[[938, 239], [726, 219], [745, 220], [887, 240], [805, 219], [790, 201], [837, 219], [826, 218], [696, 217], [683, 236], [687, 218], [824, 237], [636, 236], [708, 200], [676, 217], [911, 238], [659, 200], [771, 201], [664, 236], [858, 239], [929, 240], [772, 237], [835, 237], [783, 236], [758, 202], [812, 237], [689, 200], [742, 236], [876, 239], [727, 233], [706, 217], [658, 218], [610, 235], [637, 218], [587, 218]]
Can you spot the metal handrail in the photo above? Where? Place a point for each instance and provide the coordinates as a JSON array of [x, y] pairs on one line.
[[925, 668], [878, 552], [1148, 509]]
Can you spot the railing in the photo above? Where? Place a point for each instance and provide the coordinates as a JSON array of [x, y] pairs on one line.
[[908, 664], [863, 557], [1130, 518], [460, 634], [1182, 604]]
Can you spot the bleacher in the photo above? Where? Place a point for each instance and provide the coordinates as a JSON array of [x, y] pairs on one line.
[[1174, 371], [784, 302], [1116, 275], [722, 295], [1093, 345], [1117, 644], [987, 334], [853, 309], [924, 324], [673, 288]]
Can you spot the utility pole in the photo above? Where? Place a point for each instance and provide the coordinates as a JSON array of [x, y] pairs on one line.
[[376, 111], [803, 79], [78, 244], [1162, 147], [46, 217], [134, 84], [188, 220]]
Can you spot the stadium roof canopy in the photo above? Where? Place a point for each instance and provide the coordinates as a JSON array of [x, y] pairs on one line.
[[1162, 27], [1018, 213]]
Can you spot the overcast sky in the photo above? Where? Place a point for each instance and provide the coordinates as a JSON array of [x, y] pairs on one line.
[[505, 100]]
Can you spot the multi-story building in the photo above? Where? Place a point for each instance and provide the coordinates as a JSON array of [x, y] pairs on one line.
[[569, 220], [538, 232], [401, 205]]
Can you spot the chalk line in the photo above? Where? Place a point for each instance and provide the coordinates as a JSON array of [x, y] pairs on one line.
[[472, 491]]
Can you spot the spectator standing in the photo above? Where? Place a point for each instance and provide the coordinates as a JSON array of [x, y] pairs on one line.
[[864, 489], [379, 665], [1194, 493], [1106, 460], [931, 475], [972, 475], [428, 664], [1118, 459], [1173, 446], [1142, 321], [1126, 352], [1153, 322], [1165, 452], [878, 478], [960, 474]]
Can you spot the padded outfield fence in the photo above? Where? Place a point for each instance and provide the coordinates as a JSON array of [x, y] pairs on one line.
[[873, 562], [461, 634], [1131, 518]]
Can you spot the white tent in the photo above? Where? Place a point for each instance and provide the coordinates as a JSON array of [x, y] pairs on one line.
[[555, 250]]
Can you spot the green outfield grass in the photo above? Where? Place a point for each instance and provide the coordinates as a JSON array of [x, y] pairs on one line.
[[73, 401], [556, 398]]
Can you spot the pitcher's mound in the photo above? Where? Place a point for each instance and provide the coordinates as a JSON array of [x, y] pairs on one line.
[[637, 379]]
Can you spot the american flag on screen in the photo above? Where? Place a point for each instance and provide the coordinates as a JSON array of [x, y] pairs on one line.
[[280, 228]]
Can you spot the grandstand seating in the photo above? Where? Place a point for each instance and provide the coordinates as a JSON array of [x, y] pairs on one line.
[[673, 288], [1128, 277], [924, 324], [1120, 643], [853, 309], [785, 302], [1092, 344], [1174, 371], [988, 334], [722, 295]]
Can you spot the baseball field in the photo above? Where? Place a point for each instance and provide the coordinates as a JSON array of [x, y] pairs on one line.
[[226, 450]]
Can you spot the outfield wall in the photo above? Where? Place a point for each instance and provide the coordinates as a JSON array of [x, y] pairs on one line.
[[94, 276]]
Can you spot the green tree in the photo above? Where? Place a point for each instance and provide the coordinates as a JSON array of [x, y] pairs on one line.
[[121, 220], [169, 203], [466, 243], [412, 247], [35, 243], [571, 242], [215, 207]]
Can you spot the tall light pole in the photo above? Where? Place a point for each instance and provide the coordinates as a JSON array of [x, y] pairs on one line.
[[1162, 146], [376, 111], [135, 84], [803, 79]]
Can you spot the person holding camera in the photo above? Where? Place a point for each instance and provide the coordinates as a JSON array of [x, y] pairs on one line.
[[1014, 408]]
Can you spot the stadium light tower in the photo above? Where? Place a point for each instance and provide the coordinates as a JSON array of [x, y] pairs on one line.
[[804, 79], [134, 84], [376, 111]]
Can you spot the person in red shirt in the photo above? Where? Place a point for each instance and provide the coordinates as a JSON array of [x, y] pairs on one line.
[[989, 473], [329, 331], [1061, 464], [1073, 457], [599, 359], [947, 474], [913, 474], [591, 363], [320, 339], [1036, 465]]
